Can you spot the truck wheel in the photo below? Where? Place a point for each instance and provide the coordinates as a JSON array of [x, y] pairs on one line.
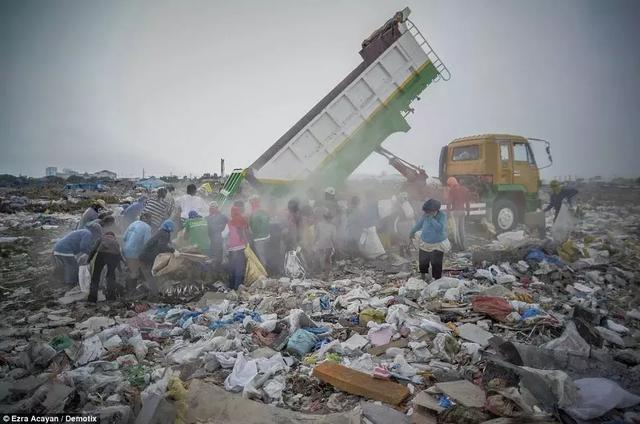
[[505, 215]]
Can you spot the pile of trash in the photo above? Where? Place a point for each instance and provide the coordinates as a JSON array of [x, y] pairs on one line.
[[521, 330]]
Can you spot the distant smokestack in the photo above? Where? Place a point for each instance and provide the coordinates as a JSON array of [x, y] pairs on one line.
[[221, 167]]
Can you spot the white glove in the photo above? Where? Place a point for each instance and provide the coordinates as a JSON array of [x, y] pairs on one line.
[[176, 253]]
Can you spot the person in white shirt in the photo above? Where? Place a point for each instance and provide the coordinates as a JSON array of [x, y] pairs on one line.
[[192, 202]]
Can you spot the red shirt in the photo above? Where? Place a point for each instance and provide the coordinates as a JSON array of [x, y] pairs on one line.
[[458, 198]]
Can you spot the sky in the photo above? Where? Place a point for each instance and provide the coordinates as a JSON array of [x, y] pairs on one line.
[[173, 86]]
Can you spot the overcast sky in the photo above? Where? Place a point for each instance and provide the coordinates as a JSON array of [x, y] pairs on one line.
[[172, 86]]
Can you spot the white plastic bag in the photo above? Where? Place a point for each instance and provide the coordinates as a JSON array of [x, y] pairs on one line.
[[562, 228], [386, 207], [407, 209], [243, 372], [293, 266], [597, 396], [84, 278], [370, 244]]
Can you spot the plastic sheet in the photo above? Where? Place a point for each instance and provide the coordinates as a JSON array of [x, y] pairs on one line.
[[84, 278], [597, 396], [293, 266], [370, 244]]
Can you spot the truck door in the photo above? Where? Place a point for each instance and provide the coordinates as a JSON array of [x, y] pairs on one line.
[[506, 165], [525, 171]]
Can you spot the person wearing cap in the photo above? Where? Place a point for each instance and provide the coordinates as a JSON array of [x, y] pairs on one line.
[[259, 222], [92, 213], [132, 212], [216, 222], [558, 194], [196, 232], [108, 255], [433, 239], [159, 208], [133, 241], [160, 242], [75, 249], [458, 207]]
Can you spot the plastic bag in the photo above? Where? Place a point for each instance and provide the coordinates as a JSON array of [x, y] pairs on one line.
[[407, 209], [386, 207], [370, 244], [84, 278], [254, 269], [243, 371], [565, 222], [293, 265]]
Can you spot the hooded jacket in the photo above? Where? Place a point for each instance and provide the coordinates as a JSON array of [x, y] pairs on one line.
[[134, 239], [80, 241], [434, 229], [158, 243]]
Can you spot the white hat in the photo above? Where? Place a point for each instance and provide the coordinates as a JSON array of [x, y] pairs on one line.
[[330, 190]]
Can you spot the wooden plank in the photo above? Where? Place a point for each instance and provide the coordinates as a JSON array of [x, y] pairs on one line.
[[361, 384]]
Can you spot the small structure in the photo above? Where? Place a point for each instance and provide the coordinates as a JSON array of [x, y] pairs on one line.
[[105, 174]]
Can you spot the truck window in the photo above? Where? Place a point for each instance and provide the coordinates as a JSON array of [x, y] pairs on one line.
[[466, 153], [504, 151], [520, 152]]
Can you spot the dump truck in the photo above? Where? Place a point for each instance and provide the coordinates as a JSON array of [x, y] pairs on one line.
[[353, 120], [331, 140], [502, 172]]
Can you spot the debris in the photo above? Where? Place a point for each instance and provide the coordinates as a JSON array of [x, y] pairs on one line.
[[358, 383], [474, 334], [597, 396], [463, 392]]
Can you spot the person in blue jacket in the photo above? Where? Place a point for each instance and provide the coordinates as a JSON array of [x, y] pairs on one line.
[[131, 213], [133, 241], [433, 239], [75, 249]]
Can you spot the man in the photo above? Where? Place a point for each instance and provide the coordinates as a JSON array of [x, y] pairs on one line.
[[196, 232], [132, 212], [324, 243], [191, 202], [355, 226], [216, 222], [259, 223], [92, 213], [159, 209], [74, 249], [459, 207], [558, 194], [133, 241], [160, 242], [404, 217], [108, 255]]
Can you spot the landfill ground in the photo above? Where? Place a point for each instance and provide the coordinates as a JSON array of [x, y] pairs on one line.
[[518, 330]]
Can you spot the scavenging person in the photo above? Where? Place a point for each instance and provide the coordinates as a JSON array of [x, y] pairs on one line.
[[433, 239], [558, 194]]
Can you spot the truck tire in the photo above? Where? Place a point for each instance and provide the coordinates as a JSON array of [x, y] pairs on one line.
[[505, 215]]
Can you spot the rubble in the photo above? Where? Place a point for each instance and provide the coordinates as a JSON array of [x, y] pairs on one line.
[[513, 335]]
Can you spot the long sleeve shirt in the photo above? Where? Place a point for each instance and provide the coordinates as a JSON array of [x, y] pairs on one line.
[[555, 202], [134, 239], [434, 229]]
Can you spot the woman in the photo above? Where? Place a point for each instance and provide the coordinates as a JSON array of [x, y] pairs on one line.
[[433, 240], [236, 243]]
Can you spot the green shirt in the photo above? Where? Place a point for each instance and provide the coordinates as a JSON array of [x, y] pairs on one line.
[[259, 222], [198, 234]]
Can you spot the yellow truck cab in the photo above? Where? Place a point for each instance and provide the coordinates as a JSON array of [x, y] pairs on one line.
[[500, 170]]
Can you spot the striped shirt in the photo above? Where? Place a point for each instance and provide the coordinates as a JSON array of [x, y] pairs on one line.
[[160, 209]]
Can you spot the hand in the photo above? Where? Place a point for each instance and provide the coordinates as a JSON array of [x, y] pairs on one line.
[[176, 253], [82, 259]]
